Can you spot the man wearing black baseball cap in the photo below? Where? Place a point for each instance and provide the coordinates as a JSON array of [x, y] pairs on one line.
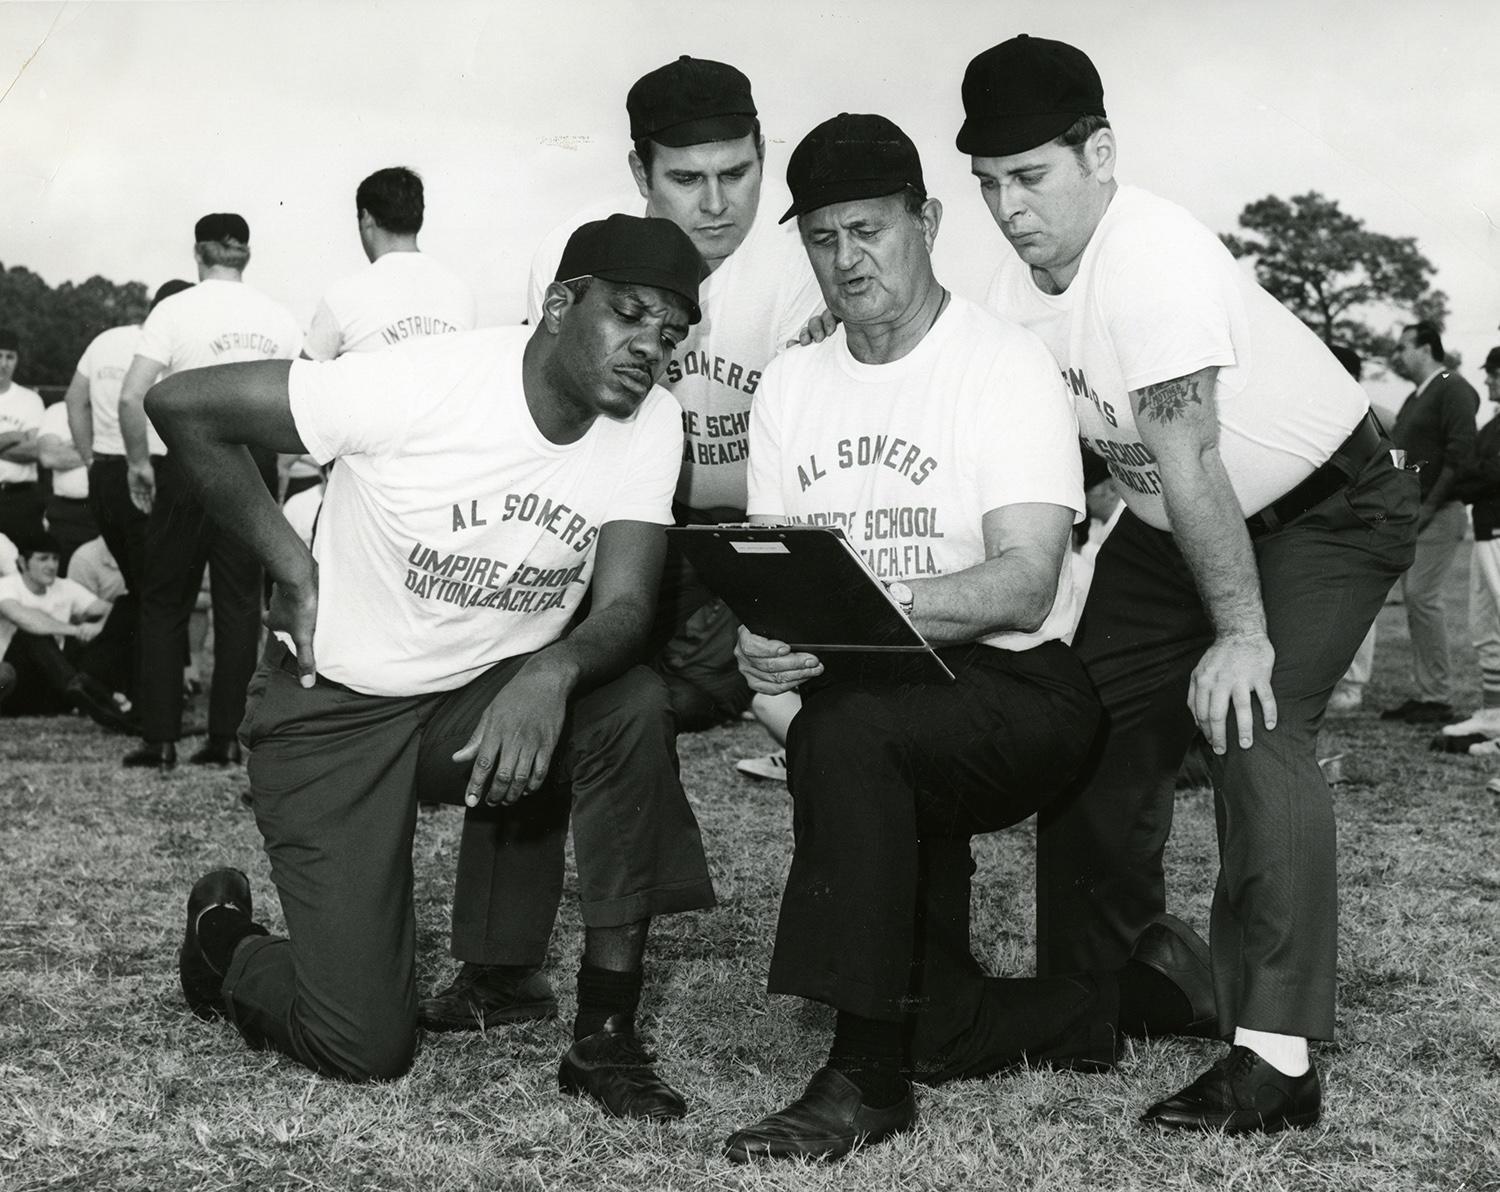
[[425, 649], [943, 444], [1265, 522], [697, 161], [220, 320]]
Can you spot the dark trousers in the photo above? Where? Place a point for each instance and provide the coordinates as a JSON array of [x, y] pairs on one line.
[[123, 528], [1100, 880], [43, 673], [71, 521], [20, 509], [889, 782], [336, 777], [180, 539]]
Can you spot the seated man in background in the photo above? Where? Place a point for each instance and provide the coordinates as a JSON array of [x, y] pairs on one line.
[[37, 612], [943, 443]]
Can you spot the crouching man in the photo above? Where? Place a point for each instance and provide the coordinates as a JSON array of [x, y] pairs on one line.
[[943, 442], [487, 480]]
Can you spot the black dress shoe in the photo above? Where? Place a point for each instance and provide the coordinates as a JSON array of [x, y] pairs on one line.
[[152, 755], [829, 1119], [613, 1068], [1242, 1094], [1179, 954], [218, 751], [486, 995], [202, 980], [1053, 1022], [1420, 711]]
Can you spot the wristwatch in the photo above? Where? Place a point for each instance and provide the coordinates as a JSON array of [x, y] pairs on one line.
[[901, 594]]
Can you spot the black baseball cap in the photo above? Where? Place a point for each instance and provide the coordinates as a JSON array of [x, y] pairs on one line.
[[640, 249], [222, 225], [853, 156], [690, 102], [1025, 92], [1492, 361]]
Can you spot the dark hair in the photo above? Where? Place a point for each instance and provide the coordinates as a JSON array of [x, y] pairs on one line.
[[38, 542], [166, 290], [916, 199], [1349, 358], [578, 287], [645, 148], [393, 197], [1077, 133], [1426, 335]]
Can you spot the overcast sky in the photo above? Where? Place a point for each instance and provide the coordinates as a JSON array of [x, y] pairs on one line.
[[121, 123]]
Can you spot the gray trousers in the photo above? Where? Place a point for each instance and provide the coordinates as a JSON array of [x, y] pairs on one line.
[[1100, 880], [336, 777], [1426, 609]]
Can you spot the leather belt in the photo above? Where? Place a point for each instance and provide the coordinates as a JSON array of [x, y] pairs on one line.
[[1362, 445]]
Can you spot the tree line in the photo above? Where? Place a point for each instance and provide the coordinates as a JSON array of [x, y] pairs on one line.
[[55, 324]]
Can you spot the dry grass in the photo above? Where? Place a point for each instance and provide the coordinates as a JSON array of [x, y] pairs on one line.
[[106, 1082]]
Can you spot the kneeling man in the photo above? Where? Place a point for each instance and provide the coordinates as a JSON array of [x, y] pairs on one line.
[[487, 480], [942, 441]]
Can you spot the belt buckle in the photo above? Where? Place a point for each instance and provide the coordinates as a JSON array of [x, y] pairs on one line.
[[1398, 457]]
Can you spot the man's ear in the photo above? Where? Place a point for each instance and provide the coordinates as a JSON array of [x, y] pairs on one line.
[[1099, 153], [638, 172], [555, 303], [932, 219]]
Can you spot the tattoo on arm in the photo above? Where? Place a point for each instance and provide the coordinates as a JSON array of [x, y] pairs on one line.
[[1169, 401]]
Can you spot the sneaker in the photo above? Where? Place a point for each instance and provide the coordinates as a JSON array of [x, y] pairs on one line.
[[771, 767], [1484, 723], [1493, 786], [1490, 748]]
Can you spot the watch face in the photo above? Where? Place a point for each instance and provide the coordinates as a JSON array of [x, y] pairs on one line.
[[900, 593]]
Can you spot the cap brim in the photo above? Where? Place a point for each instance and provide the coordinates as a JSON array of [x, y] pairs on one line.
[[644, 275], [849, 190], [709, 128], [1002, 135]]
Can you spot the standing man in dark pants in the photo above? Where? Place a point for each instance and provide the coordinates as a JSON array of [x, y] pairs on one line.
[[1436, 428], [486, 482], [1265, 521], [93, 401], [218, 321]]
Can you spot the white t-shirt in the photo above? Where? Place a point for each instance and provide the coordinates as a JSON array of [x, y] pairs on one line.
[[218, 322], [95, 568], [20, 409], [66, 482], [62, 602], [104, 364], [1157, 296], [907, 457], [398, 297], [758, 298], [453, 533]]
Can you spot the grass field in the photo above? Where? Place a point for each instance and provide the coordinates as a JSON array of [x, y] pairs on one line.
[[106, 1082]]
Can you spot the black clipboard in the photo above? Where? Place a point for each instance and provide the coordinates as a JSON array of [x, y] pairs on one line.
[[807, 586]]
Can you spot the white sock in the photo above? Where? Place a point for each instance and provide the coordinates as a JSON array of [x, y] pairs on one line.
[[1286, 1053]]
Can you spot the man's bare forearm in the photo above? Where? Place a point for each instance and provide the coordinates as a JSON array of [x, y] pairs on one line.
[[1205, 518], [602, 647], [228, 482]]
